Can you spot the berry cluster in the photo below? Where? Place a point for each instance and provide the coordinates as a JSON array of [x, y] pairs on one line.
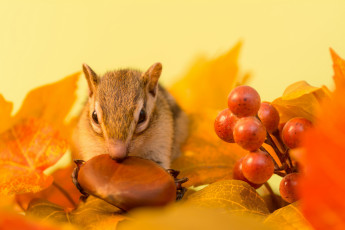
[[250, 123]]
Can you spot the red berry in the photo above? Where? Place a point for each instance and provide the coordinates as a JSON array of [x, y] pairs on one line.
[[224, 125], [293, 130], [269, 116], [288, 187], [238, 174], [257, 167], [244, 101], [249, 133]]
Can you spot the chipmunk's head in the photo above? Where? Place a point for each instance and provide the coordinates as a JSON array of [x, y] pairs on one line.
[[120, 105]]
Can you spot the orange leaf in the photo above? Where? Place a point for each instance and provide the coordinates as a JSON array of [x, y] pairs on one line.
[[323, 186], [10, 221], [339, 69], [51, 103], [25, 151], [208, 82], [5, 113], [62, 179]]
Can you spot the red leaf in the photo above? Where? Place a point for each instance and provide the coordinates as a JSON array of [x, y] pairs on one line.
[[25, 151], [323, 186]]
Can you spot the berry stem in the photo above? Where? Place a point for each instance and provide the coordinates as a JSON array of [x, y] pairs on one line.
[[276, 166], [281, 174], [270, 141], [283, 147], [281, 143]]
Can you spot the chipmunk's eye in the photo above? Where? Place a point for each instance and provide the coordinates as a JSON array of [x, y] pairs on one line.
[[142, 116], [94, 117]]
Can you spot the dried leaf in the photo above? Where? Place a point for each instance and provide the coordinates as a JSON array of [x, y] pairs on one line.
[[208, 82], [62, 179], [92, 214], [323, 186], [300, 100], [234, 196], [206, 158], [26, 150], [288, 218]]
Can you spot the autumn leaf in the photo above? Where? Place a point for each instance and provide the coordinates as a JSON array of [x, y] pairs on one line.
[[339, 70], [208, 82], [5, 113], [55, 192], [234, 196], [300, 100], [186, 217], [50, 102], [323, 186], [202, 93], [206, 158], [26, 150], [92, 214], [228, 204], [288, 217], [10, 221]]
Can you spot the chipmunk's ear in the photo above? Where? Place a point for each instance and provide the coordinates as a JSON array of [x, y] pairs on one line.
[[152, 75], [91, 77]]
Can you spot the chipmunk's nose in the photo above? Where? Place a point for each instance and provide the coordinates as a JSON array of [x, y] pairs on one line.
[[117, 150]]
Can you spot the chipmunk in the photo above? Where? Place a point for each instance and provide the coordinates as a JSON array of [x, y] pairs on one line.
[[129, 113]]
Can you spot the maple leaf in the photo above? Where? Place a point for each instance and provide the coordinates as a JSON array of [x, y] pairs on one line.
[[322, 186], [92, 214], [50, 103], [10, 221], [300, 100], [56, 192], [202, 93], [26, 150]]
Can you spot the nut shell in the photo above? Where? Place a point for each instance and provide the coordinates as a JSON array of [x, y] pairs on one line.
[[135, 182]]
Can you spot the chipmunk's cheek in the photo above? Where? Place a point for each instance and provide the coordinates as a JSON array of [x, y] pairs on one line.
[[117, 150]]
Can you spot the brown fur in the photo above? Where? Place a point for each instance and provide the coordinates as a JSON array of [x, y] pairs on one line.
[[120, 95]]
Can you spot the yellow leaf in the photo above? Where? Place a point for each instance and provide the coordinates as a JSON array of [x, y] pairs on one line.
[[206, 158], [202, 93], [300, 100], [186, 217], [234, 196], [297, 89], [288, 217], [208, 82]]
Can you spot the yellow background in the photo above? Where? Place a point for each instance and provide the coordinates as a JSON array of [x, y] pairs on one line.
[[42, 41]]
